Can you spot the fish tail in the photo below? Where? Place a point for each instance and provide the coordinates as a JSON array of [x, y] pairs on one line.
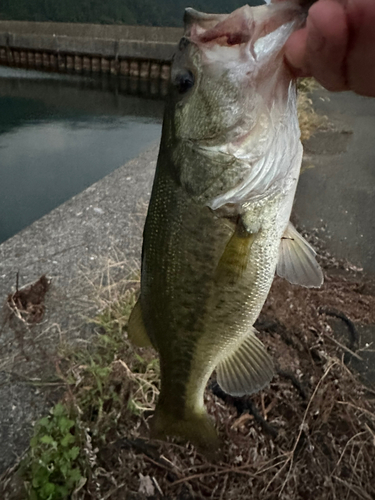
[[193, 426]]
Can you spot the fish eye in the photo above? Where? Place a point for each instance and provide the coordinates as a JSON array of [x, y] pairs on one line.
[[184, 81]]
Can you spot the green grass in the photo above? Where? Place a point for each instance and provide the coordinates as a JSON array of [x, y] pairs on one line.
[[54, 466]]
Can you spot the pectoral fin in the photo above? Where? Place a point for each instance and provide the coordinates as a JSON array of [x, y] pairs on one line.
[[233, 262], [136, 329], [297, 262], [247, 370]]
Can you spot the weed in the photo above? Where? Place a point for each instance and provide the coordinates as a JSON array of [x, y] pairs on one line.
[[54, 465]]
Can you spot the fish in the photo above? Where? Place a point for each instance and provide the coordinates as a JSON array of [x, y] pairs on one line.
[[217, 226]]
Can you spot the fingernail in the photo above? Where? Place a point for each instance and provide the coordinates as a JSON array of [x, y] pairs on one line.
[[315, 39]]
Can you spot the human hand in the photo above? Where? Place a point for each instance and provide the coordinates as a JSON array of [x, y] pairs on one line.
[[337, 46]]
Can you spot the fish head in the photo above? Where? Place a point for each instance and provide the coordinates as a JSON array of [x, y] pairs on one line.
[[227, 68]]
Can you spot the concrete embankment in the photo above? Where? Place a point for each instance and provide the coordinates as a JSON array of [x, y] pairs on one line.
[[137, 51], [73, 245]]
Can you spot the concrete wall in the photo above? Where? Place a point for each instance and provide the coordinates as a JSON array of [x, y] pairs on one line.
[[91, 39], [91, 48]]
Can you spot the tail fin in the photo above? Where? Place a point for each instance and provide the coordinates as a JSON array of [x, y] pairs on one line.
[[194, 427]]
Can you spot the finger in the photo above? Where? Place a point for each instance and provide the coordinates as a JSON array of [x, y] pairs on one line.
[[295, 53], [360, 65], [326, 43]]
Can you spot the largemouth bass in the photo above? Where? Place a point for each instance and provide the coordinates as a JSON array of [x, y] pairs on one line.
[[218, 221]]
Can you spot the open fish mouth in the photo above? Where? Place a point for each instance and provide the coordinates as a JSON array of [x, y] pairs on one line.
[[245, 26]]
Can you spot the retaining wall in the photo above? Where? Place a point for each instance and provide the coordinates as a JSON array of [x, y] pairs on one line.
[[139, 51]]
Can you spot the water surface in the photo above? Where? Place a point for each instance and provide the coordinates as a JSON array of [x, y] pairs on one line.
[[60, 134]]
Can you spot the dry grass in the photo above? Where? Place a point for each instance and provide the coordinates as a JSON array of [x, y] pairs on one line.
[[309, 120]]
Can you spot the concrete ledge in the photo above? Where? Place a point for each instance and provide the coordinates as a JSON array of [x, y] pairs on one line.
[[116, 32]]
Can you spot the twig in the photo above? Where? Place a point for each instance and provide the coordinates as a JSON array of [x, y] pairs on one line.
[[359, 492], [262, 471], [352, 353], [162, 466], [245, 417], [153, 479], [309, 404], [291, 453], [371, 432], [345, 447], [224, 488], [110, 493], [242, 404], [235, 470], [372, 415]]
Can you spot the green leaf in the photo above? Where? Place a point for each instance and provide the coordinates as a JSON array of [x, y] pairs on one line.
[[62, 492], [41, 477], [33, 442], [65, 424], [46, 457], [47, 490], [140, 359], [67, 440], [36, 482], [64, 468], [75, 475], [59, 410], [74, 452], [131, 406], [44, 422], [47, 440]]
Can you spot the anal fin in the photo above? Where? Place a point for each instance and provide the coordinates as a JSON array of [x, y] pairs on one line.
[[247, 370], [136, 329], [297, 262]]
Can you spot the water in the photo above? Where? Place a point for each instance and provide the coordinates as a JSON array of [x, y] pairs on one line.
[[60, 134]]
